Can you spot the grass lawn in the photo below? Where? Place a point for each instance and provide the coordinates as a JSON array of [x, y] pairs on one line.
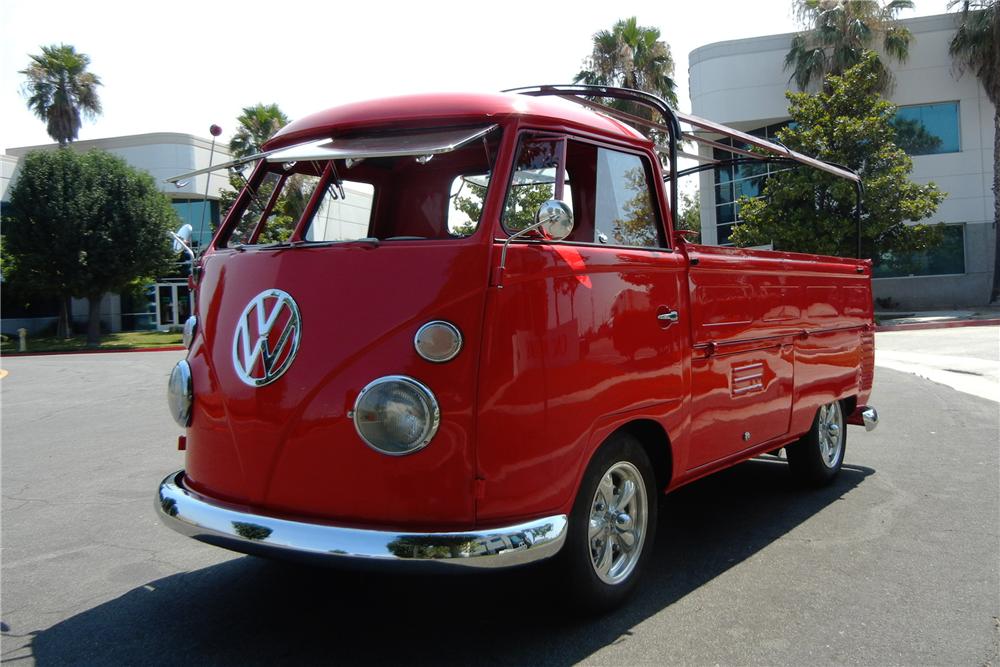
[[116, 341]]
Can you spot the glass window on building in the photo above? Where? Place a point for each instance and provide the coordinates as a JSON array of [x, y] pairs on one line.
[[946, 258], [927, 129], [735, 181], [203, 218]]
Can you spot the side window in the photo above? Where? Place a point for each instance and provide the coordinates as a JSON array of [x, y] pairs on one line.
[[533, 183], [610, 192], [465, 203], [624, 203]]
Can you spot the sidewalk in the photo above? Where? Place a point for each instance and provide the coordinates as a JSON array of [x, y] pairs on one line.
[[937, 319]]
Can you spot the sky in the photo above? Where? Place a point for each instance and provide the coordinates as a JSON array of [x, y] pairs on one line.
[[183, 66]]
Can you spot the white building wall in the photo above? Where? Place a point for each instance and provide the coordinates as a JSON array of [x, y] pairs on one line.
[[8, 165], [743, 82], [162, 154], [343, 219]]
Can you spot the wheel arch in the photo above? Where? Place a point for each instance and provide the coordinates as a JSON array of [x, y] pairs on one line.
[[656, 443]]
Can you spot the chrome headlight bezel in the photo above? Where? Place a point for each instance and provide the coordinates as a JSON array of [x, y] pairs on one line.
[[180, 393], [421, 391]]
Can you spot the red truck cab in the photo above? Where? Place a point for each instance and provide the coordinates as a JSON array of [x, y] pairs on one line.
[[460, 331]]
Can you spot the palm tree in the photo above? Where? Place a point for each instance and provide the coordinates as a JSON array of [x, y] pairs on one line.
[[257, 124], [631, 56], [839, 32], [60, 90], [976, 47]]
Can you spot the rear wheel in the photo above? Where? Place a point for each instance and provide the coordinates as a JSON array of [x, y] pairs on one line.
[[818, 455], [612, 525]]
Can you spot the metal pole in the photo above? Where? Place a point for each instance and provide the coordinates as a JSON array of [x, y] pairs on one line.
[[215, 131]]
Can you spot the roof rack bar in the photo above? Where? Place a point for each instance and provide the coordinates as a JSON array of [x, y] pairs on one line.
[[215, 167], [763, 144], [698, 158], [618, 113], [725, 147]]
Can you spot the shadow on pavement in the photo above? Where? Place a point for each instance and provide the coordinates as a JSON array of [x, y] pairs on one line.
[[251, 611]]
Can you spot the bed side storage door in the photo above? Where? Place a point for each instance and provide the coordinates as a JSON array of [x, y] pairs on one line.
[[744, 315]]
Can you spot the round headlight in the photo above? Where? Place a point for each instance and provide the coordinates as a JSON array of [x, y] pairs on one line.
[[180, 392], [438, 341], [396, 415], [190, 326]]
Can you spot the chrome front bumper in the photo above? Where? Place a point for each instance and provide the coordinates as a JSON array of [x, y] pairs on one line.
[[229, 527]]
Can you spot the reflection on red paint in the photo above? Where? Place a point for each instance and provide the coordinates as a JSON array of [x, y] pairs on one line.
[[574, 260]]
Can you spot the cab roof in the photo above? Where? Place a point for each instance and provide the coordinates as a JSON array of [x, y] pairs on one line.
[[449, 108]]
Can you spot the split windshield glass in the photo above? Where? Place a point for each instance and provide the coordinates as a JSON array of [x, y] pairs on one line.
[[427, 185]]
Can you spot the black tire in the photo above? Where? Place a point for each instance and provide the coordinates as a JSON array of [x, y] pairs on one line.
[[816, 458], [621, 458]]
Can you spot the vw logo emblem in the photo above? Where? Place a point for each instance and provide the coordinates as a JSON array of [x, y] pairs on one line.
[[266, 338]]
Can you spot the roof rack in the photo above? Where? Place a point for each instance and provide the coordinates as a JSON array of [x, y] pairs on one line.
[[671, 127]]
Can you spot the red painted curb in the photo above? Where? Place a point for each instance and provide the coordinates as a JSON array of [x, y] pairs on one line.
[[163, 348], [916, 326]]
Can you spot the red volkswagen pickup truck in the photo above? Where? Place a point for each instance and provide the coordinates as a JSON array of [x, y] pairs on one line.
[[460, 331]]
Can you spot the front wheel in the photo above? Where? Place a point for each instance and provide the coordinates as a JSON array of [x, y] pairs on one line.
[[818, 455], [612, 525]]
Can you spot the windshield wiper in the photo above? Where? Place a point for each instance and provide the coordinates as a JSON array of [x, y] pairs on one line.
[[368, 241]]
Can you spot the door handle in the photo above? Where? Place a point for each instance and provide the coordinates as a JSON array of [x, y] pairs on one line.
[[669, 316]]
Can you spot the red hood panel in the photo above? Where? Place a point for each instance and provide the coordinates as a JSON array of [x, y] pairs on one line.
[[288, 446]]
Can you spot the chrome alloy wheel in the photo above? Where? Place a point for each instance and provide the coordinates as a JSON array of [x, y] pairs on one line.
[[618, 515], [830, 429]]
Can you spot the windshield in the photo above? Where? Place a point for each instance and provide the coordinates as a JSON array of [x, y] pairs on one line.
[[406, 196]]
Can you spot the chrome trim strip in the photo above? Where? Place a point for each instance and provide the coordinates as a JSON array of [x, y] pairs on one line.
[[242, 531]]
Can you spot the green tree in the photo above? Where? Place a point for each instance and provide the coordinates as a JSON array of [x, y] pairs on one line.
[[690, 216], [257, 124], [85, 224], [522, 203], [838, 34], [61, 91], [631, 56], [808, 210], [976, 47]]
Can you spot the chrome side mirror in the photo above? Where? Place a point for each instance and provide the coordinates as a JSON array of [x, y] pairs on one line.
[[555, 219]]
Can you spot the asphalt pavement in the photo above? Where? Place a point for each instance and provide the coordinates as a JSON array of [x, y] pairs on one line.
[[894, 564]]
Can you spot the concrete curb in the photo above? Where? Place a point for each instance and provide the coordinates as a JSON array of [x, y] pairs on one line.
[[163, 348], [916, 326]]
